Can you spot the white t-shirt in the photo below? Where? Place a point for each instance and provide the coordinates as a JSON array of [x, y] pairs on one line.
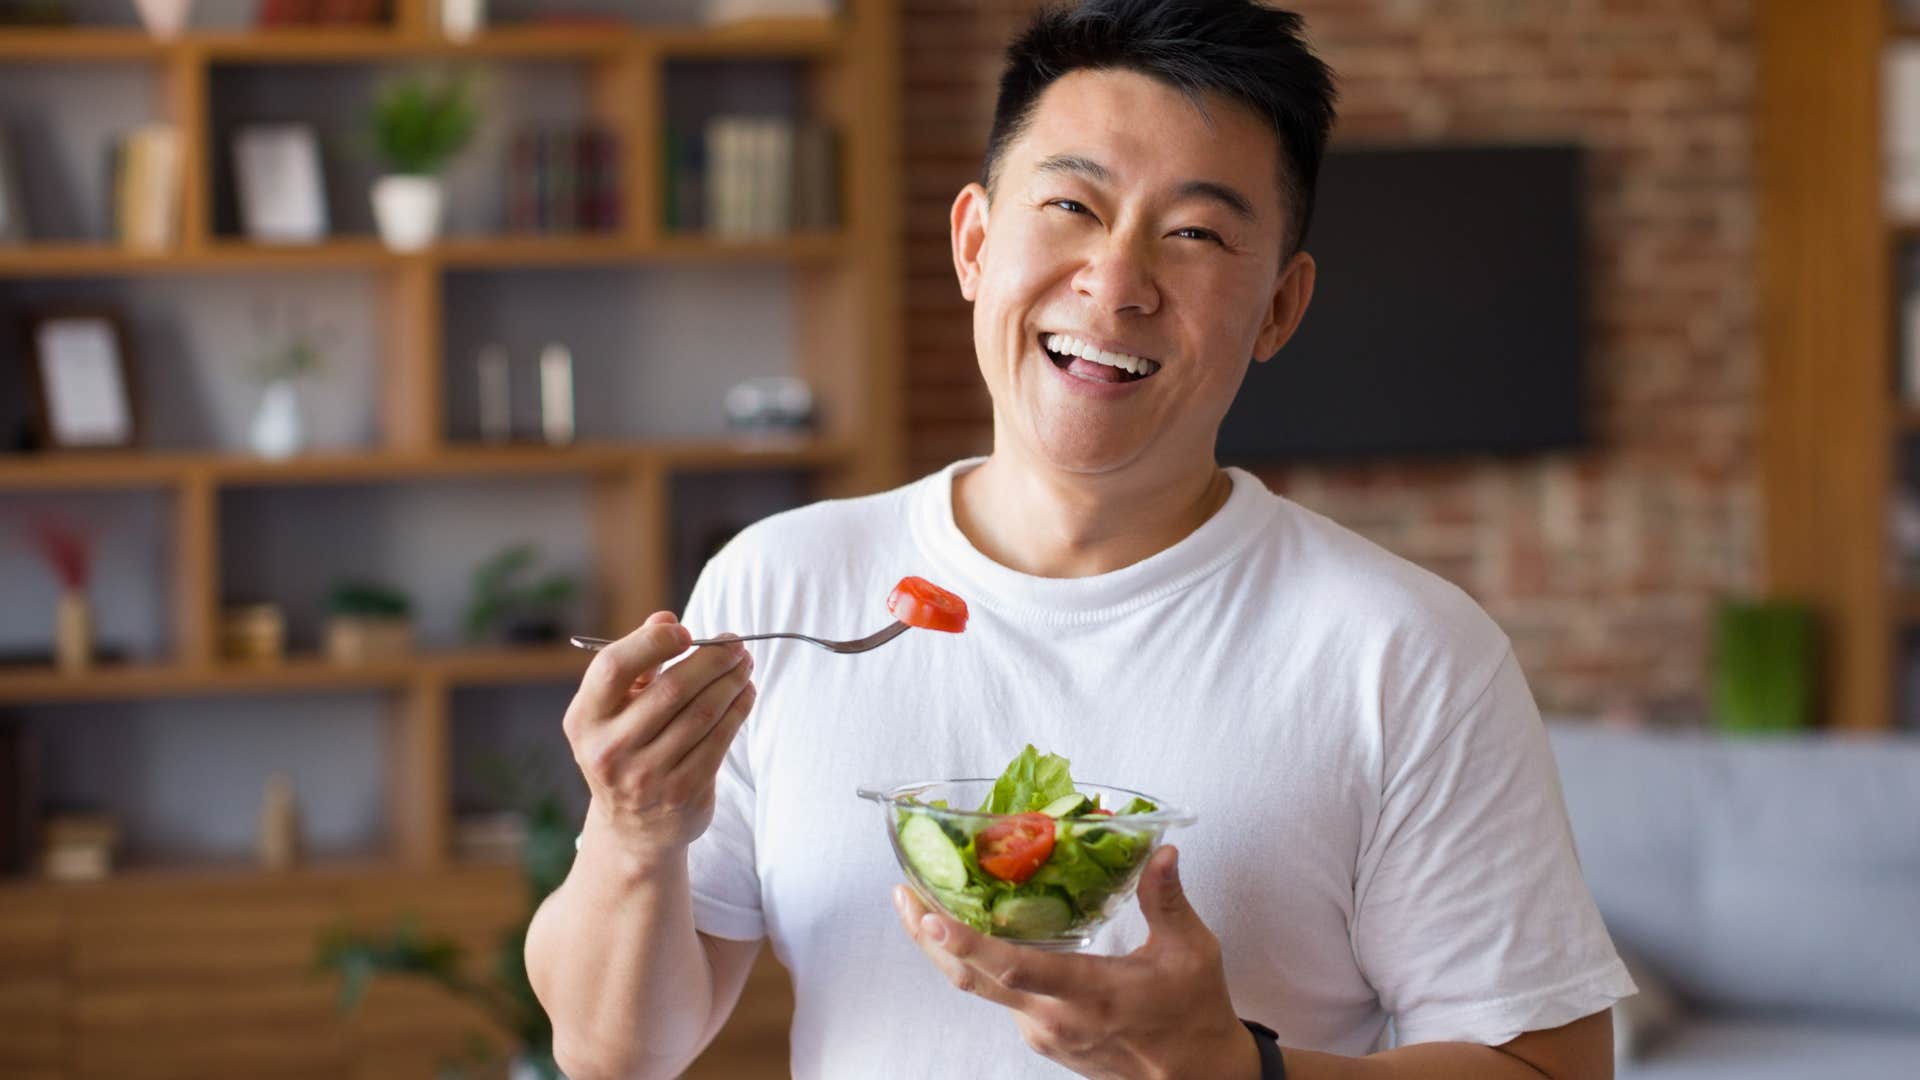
[[1381, 832]]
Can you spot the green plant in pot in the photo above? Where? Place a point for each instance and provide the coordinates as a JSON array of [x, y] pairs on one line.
[[505, 994], [511, 603], [1765, 666], [368, 621], [418, 124]]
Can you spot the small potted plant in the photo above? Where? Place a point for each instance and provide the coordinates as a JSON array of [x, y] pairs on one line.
[[508, 603], [419, 124], [366, 621]]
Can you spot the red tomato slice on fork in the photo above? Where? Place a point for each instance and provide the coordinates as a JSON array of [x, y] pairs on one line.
[[919, 602]]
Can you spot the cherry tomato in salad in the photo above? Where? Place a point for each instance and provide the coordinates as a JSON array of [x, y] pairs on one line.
[[1014, 848], [919, 602], [1101, 810]]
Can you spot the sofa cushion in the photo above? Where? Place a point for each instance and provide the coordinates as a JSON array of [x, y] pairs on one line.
[[1763, 1049], [1777, 874]]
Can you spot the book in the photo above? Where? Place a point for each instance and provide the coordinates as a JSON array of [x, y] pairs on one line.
[[147, 188], [816, 178], [13, 211]]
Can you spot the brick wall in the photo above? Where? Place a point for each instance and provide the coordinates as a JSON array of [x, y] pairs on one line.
[[1604, 565]]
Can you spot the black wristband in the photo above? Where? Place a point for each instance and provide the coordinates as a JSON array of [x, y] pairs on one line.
[[1268, 1042]]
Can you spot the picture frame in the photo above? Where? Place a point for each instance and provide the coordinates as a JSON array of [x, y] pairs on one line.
[[280, 183], [81, 374]]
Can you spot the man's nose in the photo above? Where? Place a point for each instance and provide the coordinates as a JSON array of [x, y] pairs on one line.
[[1117, 276]]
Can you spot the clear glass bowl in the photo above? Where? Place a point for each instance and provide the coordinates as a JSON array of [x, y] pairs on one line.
[[1093, 870]]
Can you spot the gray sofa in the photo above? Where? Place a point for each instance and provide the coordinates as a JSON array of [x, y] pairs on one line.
[[1766, 894]]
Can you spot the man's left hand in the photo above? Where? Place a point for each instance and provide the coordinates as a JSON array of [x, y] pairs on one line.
[[1159, 1011]]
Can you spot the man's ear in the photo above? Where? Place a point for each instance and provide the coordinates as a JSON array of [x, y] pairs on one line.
[[969, 224], [1290, 298]]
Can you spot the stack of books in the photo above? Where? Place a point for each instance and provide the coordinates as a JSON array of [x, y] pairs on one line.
[[317, 12], [563, 180], [146, 188], [744, 176]]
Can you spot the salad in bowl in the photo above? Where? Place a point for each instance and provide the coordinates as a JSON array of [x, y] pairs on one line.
[[1031, 857]]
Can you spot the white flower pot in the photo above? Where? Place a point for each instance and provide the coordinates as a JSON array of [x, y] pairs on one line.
[[408, 210], [277, 430], [164, 18]]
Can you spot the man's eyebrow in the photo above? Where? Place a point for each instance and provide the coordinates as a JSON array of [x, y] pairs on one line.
[[1210, 190]]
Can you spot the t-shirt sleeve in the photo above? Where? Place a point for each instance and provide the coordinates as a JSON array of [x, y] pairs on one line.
[[1472, 921], [721, 863]]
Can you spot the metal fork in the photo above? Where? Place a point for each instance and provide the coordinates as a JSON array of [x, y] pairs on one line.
[[871, 641]]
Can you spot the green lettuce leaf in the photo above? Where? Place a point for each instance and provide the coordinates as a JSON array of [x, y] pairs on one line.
[[1031, 782]]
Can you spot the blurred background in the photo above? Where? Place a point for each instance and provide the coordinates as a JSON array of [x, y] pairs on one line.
[[358, 351]]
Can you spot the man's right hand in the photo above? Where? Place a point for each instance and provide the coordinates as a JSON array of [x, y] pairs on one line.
[[650, 738]]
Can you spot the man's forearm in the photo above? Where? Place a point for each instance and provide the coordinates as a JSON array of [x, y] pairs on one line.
[[1427, 1061], [615, 960]]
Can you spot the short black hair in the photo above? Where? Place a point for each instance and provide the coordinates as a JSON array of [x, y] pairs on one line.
[[1240, 49]]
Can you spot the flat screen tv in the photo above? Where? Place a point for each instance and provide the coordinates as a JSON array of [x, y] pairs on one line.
[[1449, 317]]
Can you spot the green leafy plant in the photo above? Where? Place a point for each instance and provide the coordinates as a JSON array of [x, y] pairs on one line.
[[369, 599], [291, 345], [420, 123], [1764, 675], [506, 994], [505, 597]]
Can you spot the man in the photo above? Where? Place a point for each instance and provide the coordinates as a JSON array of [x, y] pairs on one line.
[[1381, 836]]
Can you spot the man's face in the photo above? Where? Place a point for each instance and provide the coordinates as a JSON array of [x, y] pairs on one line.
[[1125, 221]]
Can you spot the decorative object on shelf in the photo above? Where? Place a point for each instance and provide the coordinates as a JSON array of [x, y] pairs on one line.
[[13, 209], [164, 18], [294, 350], [418, 126], [770, 404], [69, 556], [505, 604], [1764, 666], [462, 19], [278, 844], [718, 12], [78, 846], [496, 395], [146, 189], [253, 634], [80, 372], [358, 958], [283, 196], [563, 180], [368, 621], [556, 394]]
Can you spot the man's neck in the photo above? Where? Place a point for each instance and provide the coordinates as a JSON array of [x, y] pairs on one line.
[[1063, 525]]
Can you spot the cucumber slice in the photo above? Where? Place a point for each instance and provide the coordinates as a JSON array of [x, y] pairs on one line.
[[932, 853], [1036, 916], [1075, 803]]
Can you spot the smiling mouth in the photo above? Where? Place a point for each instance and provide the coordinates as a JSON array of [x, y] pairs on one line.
[[1083, 359]]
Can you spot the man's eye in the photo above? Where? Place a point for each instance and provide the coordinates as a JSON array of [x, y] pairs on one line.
[[1201, 234], [1070, 206]]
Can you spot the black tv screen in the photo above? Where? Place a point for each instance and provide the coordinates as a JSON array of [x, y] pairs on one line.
[[1448, 318]]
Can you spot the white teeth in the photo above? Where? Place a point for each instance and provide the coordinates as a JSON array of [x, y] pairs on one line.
[[1073, 346]]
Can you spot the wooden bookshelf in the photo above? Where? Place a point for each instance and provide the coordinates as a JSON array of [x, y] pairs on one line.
[[846, 292], [1827, 264]]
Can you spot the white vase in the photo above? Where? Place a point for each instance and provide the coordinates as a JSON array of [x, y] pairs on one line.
[[164, 18], [461, 19], [277, 429], [408, 210]]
